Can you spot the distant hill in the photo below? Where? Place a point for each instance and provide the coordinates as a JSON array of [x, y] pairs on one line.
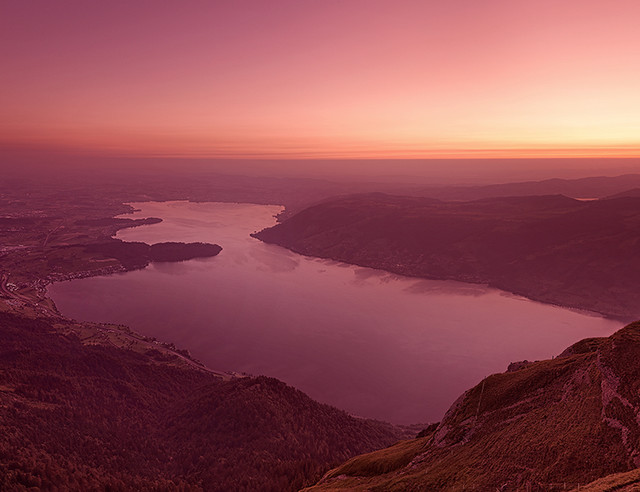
[[591, 187], [550, 425], [77, 416], [633, 193], [554, 249]]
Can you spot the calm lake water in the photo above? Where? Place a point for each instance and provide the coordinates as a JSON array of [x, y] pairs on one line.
[[372, 343]]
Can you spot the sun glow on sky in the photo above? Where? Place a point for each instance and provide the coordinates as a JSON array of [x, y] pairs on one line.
[[310, 78]]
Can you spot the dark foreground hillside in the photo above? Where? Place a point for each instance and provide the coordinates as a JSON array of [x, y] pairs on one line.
[[95, 417], [549, 425], [554, 249]]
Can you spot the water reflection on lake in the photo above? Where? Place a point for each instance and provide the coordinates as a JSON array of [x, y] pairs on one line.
[[373, 343]]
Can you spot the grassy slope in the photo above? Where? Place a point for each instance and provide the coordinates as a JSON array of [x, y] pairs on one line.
[[565, 421], [619, 482]]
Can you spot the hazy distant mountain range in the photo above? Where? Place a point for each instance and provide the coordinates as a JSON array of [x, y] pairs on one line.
[[592, 187]]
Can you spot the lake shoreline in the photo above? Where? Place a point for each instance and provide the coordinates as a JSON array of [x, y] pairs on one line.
[[382, 267], [349, 336]]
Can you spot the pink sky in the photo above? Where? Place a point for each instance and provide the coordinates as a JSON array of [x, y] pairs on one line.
[[322, 78]]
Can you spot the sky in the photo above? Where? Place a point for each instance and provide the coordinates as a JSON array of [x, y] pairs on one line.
[[322, 78]]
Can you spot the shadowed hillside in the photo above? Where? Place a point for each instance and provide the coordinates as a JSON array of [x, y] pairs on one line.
[[548, 248], [89, 417]]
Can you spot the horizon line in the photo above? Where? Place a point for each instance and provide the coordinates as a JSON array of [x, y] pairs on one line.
[[599, 152]]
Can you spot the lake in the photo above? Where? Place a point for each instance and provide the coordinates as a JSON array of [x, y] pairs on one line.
[[372, 343]]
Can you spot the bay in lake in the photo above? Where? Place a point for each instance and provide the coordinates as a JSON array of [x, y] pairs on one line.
[[372, 343]]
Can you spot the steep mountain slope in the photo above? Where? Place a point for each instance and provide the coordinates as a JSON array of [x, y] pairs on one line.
[[549, 425], [549, 248], [77, 413]]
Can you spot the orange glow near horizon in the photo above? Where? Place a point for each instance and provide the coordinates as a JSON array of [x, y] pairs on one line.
[[331, 79]]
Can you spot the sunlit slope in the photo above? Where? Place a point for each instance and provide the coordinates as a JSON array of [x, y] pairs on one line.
[[619, 482], [564, 421]]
